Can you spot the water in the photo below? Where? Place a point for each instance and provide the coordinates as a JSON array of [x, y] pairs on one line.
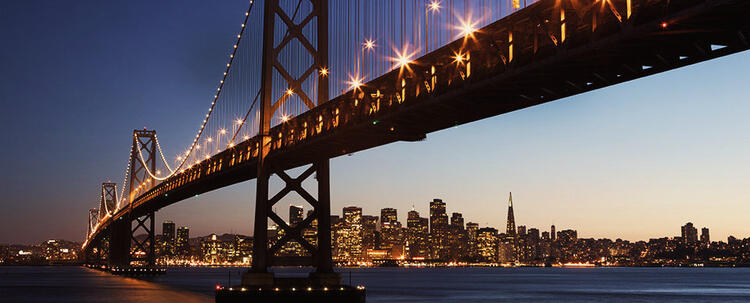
[[663, 285]]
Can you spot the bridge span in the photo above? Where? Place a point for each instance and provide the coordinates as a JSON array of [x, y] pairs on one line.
[[550, 50]]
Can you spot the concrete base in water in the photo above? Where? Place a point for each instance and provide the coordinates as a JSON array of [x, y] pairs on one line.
[[264, 287], [130, 271]]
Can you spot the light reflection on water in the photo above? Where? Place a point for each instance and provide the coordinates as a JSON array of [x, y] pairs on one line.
[[662, 285]]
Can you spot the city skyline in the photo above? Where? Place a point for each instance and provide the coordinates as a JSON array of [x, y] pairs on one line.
[[365, 240], [630, 161]]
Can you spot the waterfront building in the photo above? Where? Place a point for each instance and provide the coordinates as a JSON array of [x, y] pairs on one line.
[[213, 251]]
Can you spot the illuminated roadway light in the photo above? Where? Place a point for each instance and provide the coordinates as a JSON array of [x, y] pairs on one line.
[[284, 118]]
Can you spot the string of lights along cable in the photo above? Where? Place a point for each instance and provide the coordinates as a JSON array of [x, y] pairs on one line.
[[362, 47]]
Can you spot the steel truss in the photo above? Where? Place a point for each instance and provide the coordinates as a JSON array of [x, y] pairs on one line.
[[263, 256]]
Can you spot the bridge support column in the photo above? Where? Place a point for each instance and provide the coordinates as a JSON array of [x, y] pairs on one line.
[[119, 243], [144, 252], [320, 255], [263, 253]]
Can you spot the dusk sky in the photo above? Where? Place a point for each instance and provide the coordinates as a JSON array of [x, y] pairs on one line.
[[633, 161]]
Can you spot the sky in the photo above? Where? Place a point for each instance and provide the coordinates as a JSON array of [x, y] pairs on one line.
[[632, 161]]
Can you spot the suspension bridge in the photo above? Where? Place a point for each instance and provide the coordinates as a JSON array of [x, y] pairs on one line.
[[310, 80]]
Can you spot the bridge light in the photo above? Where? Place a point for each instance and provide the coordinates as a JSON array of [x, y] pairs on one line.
[[246, 137], [369, 44], [467, 28], [354, 82], [402, 61], [209, 139], [403, 58], [664, 25], [238, 121], [284, 118], [223, 131], [458, 58], [324, 71], [289, 92], [434, 6]]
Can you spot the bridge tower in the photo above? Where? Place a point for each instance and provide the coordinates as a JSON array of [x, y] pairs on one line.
[[124, 247], [92, 255], [108, 199], [263, 255]]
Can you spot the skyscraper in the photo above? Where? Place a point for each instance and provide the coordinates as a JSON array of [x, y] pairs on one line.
[[472, 230], [168, 237], [369, 230], [457, 220], [182, 243], [310, 233], [167, 231], [511, 238], [487, 244], [439, 229], [457, 236], [295, 215], [438, 217], [349, 237], [552, 233], [510, 228], [705, 238], [388, 215], [689, 234], [417, 235]]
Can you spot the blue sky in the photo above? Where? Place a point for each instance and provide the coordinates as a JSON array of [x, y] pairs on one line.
[[634, 161]]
